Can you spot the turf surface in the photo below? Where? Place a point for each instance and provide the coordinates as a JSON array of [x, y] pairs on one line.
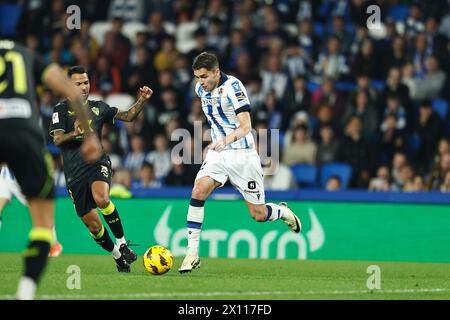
[[232, 279]]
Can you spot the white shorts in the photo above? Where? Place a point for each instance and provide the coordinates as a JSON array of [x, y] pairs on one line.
[[241, 166], [9, 186]]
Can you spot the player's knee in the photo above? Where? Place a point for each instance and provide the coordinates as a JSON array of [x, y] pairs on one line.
[[199, 192], [102, 200]]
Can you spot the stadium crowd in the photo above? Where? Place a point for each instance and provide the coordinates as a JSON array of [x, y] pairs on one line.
[[338, 91]]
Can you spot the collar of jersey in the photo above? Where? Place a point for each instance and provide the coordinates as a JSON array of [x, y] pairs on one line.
[[223, 78]]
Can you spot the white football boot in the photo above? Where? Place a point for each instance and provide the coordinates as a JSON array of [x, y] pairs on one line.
[[189, 263], [291, 220]]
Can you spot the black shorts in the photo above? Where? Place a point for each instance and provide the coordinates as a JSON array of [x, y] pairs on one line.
[[25, 153], [81, 192]]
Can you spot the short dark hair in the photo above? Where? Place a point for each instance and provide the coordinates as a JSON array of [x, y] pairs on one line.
[[76, 70], [205, 60]]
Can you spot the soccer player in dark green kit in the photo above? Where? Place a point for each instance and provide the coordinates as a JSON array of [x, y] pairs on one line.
[[89, 184], [22, 147]]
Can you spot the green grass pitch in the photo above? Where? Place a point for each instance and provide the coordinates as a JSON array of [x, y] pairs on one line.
[[232, 279]]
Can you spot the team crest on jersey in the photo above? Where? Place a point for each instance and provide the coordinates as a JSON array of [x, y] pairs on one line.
[[236, 86], [95, 111], [71, 113], [104, 171], [220, 90]]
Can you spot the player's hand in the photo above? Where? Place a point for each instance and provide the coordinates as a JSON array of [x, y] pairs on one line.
[[145, 92], [77, 129], [91, 149], [217, 146]]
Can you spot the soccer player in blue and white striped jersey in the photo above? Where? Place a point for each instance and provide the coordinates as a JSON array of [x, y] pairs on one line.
[[231, 155]]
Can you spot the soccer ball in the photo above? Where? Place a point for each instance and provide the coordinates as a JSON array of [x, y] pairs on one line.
[[158, 260]]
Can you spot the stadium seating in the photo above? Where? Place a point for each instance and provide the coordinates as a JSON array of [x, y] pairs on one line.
[[398, 12], [305, 174], [9, 16], [441, 107], [95, 97], [120, 100], [342, 170], [98, 30]]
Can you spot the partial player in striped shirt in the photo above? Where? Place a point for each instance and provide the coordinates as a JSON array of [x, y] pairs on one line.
[[231, 155]]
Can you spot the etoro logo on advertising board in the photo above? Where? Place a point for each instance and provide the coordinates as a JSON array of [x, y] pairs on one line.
[[224, 243]]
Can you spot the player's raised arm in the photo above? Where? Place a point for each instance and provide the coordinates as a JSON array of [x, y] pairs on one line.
[[133, 111], [56, 80]]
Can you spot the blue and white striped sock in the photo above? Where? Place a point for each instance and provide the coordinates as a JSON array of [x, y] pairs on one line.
[[274, 212], [195, 216]]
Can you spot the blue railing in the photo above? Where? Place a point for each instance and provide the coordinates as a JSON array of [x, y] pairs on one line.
[[299, 195]]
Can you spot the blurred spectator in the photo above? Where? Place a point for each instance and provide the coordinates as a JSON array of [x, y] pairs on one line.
[[141, 73], [430, 85], [328, 147], [160, 157], [301, 149], [429, 128], [406, 179], [366, 62], [165, 58], [121, 184], [147, 177], [439, 174], [416, 184], [382, 181], [394, 108], [333, 183], [135, 158], [327, 93], [364, 108], [156, 31], [216, 37], [116, 160], [281, 180], [392, 138], [298, 99], [273, 78], [358, 152], [180, 175], [46, 110], [445, 185], [269, 111], [398, 161], [106, 79], [306, 39], [331, 63]]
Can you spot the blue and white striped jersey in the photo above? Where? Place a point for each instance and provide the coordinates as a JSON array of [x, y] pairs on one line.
[[221, 107]]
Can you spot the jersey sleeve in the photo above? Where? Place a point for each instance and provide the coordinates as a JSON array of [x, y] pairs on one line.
[[238, 96], [59, 117], [108, 112]]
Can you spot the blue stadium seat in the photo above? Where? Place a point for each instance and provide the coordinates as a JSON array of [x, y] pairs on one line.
[[9, 16], [312, 86], [305, 174], [377, 85], [342, 170], [441, 107], [345, 85], [399, 12]]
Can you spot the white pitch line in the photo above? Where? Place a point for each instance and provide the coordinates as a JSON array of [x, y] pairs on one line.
[[225, 293]]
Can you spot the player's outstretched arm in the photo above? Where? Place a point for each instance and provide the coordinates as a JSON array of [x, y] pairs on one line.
[[133, 111], [55, 78], [244, 128]]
